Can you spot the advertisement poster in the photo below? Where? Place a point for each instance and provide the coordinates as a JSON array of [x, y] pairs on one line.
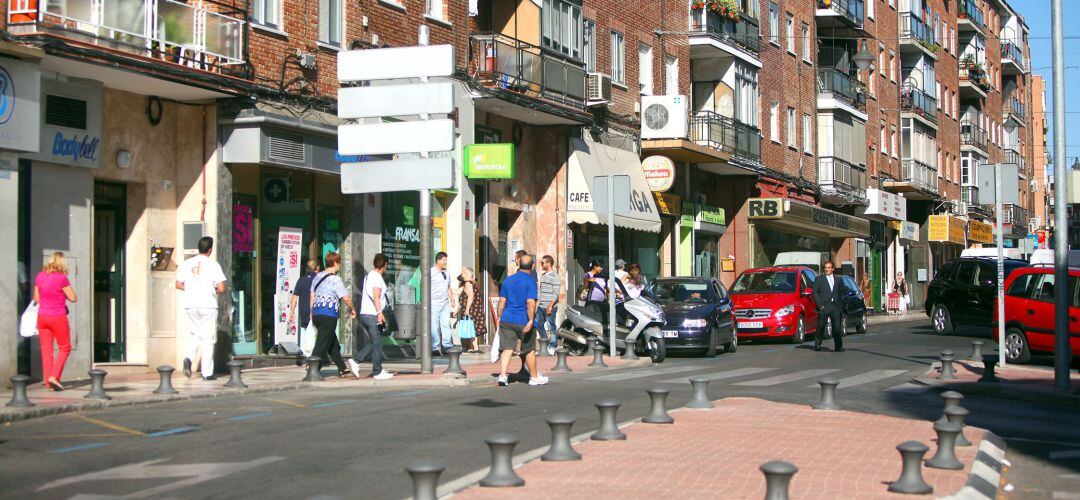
[[290, 245], [243, 235], [401, 243]]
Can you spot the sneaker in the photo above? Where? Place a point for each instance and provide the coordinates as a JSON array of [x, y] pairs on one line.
[[383, 375], [551, 350], [502, 381], [354, 367], [187, 367], [210, 378], [541, 380]]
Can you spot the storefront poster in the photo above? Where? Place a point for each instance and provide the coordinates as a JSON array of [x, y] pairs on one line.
[[401, 243], [980, 232], [290, 244], [945, 228], [243, 234]]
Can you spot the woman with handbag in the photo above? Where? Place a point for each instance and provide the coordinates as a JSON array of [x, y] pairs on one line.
[[327, 293], [52, 292], [470, 311], [372, 321]]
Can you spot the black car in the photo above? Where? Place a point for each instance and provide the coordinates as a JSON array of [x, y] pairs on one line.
[[698, 313], [963, 293], [854, 313]]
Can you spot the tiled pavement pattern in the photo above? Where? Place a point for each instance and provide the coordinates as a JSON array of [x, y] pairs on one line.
[[1020, 381], [716, 454]]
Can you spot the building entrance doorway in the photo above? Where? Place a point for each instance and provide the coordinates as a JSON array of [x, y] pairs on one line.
[[109, 237]]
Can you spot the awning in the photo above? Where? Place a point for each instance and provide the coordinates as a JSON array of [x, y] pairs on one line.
[[800, 216], [591, 159]]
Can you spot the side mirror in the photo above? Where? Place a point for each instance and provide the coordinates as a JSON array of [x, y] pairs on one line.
[[724, 301], [851, 293], [807, 292]]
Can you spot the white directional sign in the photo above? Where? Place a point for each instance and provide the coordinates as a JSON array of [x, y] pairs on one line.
[[396, 62], [396, 137], [397, 175], [395, 100]]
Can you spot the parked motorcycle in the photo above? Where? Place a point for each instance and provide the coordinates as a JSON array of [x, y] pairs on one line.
[[639, 329]]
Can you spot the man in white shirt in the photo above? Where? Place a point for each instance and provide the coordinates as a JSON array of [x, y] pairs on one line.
[[372, 321], [442, 303], [200, 281]]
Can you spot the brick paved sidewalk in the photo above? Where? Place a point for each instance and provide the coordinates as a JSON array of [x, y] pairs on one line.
[[716, 454], [138, 389]]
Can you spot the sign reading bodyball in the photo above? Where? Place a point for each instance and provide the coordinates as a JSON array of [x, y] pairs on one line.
[[290, 244], [489, 161]]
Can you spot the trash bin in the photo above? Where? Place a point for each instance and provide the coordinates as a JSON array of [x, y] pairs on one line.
[[405, 319]]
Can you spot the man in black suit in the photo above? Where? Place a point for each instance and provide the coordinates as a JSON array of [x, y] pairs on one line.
[[828, 295]]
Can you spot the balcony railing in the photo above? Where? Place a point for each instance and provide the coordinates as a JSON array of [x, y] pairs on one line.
[[742, 32], [970, 10], [1014, 106], [842, 86], [726, 134], [843, 174], [913, 28], [919, 175], [974, 73], [1013, 156], [1010, 50], [973, 135], [511, 64], [913, 99], [1015, 215], [202, 35], [853, 10]]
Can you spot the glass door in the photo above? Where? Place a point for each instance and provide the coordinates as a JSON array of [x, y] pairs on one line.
[[244, 280], [108, 265]]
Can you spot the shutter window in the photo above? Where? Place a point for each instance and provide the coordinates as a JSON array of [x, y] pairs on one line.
[[63, 111], [285, 147]]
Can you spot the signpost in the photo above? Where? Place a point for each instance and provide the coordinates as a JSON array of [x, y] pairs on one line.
[[413, 139], [1000, 173], [612, 193]]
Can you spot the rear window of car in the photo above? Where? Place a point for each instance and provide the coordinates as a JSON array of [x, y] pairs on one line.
[[1021, 286], [965, 273], [947, 272]]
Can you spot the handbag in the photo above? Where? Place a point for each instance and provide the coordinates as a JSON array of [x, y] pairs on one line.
[[495, 349], [466, 328], [28, 322]]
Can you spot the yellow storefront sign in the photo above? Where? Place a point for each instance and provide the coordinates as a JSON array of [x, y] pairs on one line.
[[980, 232], [945, 228]]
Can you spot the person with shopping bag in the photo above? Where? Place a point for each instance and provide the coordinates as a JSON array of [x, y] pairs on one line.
[[372, 321], [471, 324], [302, 290], [52, 292]]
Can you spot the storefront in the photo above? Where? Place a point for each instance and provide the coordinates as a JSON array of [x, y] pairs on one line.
[[700, 229], [885, 252], [900, 256], [791, 232], [946, 237]]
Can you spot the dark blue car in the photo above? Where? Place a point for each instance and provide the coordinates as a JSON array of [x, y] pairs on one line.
[[698, 312]]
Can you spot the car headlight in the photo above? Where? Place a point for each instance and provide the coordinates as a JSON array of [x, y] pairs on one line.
[[694, 323], [786, 310]]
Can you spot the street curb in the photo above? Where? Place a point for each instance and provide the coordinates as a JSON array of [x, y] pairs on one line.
[[984, 480], [887, 320], [997, 389]]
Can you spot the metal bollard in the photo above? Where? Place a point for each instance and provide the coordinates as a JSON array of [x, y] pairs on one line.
[[97, 385], [455, 362], [609, 429], [828, 394], [561, 450], [778, 476], [236, 379], [989, 365], [700, 399], [911, 479], [945, 457], [313, 374], [425, 479], [598, 356], [957, 415], [658, 407], [976, 350], [946, 366], [165, 373], [502, 468], [18, 392], [952, 400], [560, 365], [629, 353]]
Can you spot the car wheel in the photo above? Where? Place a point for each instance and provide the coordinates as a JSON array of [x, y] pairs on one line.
[[942, 320], [800, 332], [657, 350], [1016, 347], [730, 347], [843, 326], [711, 350], [861, 327]]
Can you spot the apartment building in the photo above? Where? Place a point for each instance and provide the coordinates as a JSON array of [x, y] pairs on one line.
[[1042, 190]]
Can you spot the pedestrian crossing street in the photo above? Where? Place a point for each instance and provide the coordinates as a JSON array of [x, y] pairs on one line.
[[761, 376]]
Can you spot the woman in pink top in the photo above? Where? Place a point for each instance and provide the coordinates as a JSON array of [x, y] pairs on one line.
[[52, 291]]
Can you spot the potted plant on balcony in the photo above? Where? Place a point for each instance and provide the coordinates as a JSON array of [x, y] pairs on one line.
[[967, 61], [726, 8]]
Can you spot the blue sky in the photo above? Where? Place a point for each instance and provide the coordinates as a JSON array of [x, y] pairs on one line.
[[1037, 15]]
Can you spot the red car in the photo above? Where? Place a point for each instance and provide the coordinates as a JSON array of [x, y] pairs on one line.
[[1029, 313], [774, 302]]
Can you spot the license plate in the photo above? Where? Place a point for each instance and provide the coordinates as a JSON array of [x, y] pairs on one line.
[[671, 334], [751, 324]]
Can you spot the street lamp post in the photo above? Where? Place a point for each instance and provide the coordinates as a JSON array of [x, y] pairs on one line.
[[1061, 249]]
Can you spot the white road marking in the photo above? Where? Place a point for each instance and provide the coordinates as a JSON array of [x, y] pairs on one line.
[[908, 387], [866, 378], [190, 473], [1064, 495], [1060, 455], [788, 377], [651, 372], [738, 372]]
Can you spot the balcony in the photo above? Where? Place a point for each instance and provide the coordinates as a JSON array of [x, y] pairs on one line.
[[970, 17], [842, 89], [720, 132], [842, 181], [1017, 218], [519, 68], [914, 100], [208, 35], [840, 14], [738, 36], [918, 180], [1014, 157], [1014, 111], [1012, 58], [916, 36], [970, 196], [974, 83], [973, 136]]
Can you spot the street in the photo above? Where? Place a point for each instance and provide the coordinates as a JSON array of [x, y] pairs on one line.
[[343, 444]]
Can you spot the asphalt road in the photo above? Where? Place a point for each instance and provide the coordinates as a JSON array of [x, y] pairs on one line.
[[348, 444]]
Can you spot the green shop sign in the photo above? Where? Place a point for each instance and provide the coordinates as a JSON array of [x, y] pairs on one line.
[[489, 161], [697, 213]]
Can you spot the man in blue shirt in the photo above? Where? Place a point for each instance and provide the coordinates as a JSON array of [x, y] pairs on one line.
[[517, 307]]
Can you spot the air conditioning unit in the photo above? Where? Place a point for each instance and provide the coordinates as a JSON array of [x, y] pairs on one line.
[[599, 89], [1034, 222], [663, 116], [959, 208]]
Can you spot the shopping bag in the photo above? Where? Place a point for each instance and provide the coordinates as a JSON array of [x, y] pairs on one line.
[[28, 323], [307, 339], [466, 329], [495, 348]]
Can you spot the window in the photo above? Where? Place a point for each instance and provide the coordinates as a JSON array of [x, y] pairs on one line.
[[671, 75], [806, 43], [774, 121], [562, 27], [774, 23], [330, 20], [1020, 287], [873, 87], [937, 94], [266, 13], [895, 145], [870, 8], [807, 136], [965, 274], [882, 69], [645, 73], [790, 34], [434, 9], [1044, 288], [892, 65], [618, 58], [791, 127], [589, 48], [746, 93], [884, 141]]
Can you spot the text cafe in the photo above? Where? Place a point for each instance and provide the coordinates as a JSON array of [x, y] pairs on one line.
[[783, 225]]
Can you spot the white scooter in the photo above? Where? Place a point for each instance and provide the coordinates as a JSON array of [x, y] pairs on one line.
[[640, 330]]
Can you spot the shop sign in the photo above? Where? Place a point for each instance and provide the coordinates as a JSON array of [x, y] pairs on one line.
[[703, 217], [945, 228], [980, 232], [20, 105], [401, 243], [765, 208], [797, 213], [659, 172], [710, 214], [909, 231], [489, 161], [75, 137], [668, 204], [886, 204], [243, 233], [290, 244]]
